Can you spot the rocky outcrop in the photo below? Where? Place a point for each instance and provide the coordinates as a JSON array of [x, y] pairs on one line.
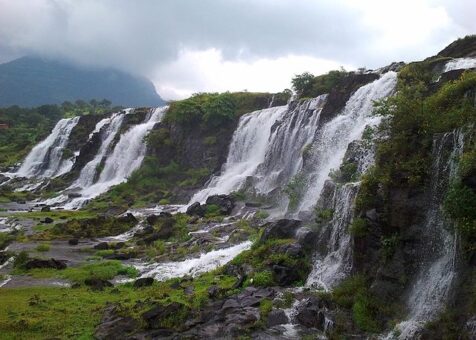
[[280, 229], [113, 325], [45, 264], [341, 93], [465, 47]]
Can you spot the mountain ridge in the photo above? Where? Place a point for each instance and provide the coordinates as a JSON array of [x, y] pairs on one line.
[[32, 81]]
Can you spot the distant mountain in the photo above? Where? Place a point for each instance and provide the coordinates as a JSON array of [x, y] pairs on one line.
[[31, 81]]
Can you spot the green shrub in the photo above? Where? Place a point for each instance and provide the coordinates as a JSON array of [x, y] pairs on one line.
[[261, 214], [20, 260], [263, 279], [459, 204], [43, 247], [265, 307], [359, 227]]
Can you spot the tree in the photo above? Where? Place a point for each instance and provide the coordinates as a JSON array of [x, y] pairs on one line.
[[302, 83]]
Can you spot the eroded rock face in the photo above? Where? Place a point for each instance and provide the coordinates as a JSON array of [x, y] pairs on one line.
[[280, 229], [225, 202], [196, 209], [114, 326], [45, 264]]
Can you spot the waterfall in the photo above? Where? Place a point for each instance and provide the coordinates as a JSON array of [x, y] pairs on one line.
[[431, 289], [126, 157], [335, 264], [287, 144], [247, 151], [44, 160], [332, 139], [460, 63], [108, 127]]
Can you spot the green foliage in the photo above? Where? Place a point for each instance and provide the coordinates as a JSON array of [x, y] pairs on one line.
[[347, 172], [294, 190], [43, 247], [20, 260], [359, 227], [460, 203], [261, 215], [265, 307], [389, 246], [212, 110], [262, 279], [367, 311], [104, 270], [307, 85]]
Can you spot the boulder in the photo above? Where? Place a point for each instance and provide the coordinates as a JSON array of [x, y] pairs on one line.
[[311, 314], [196, 209], [280, 229], [155, 315], [48, 264], [276, 317], [143, 282], [119, 245], [101, 246], [114, 326], [47, 220], [73, 242], [213, 291], [128, 218], [225, 202], [46, 209], [97, 284], [284, 275]]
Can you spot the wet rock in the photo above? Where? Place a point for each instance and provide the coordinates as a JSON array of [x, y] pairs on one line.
[[253, 204], [285, 276], [166, 228], [114, 326], [144, 282], [196, 209], [119, 245], [293, 250], [307, 238], [155, 315], [46, 209], [102, 246], [47, 220], [225, 202], [146, 231], [213, 291], [46, 264], [280, 229], [128, 218], [97, 284], [311, 314], [120, 256], [3, 257], [73, 242], [276, 317]]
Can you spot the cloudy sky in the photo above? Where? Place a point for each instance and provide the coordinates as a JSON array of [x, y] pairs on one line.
[[187, 46]]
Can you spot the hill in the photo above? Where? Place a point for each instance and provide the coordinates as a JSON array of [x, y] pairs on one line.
[[32, 81]]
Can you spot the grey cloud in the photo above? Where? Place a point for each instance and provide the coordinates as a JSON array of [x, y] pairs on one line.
[[140, 35]]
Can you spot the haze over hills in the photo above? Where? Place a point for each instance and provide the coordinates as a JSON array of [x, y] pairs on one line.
[[32, 81]]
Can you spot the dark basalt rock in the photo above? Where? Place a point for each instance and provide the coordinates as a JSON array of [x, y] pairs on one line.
[[114, 326], [311, 314], [276, 317], [128, 218], [143, 282], [285, 276], [73, 242], [225, 202], [97, 284], [196, 209], [46, 264], [46, 209], [102, 246], [154, 315], [47, 220], [280, 229], [120, 256]]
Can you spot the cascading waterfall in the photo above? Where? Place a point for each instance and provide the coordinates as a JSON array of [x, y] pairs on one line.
[[44, 160], [126, 157], [88, 172], [438, 265], [459, 64], [330, 144], [330, 269], [247, 151], [288, 141]]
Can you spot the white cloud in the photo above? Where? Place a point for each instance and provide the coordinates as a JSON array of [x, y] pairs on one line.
[[188, 45], [208, 71]]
